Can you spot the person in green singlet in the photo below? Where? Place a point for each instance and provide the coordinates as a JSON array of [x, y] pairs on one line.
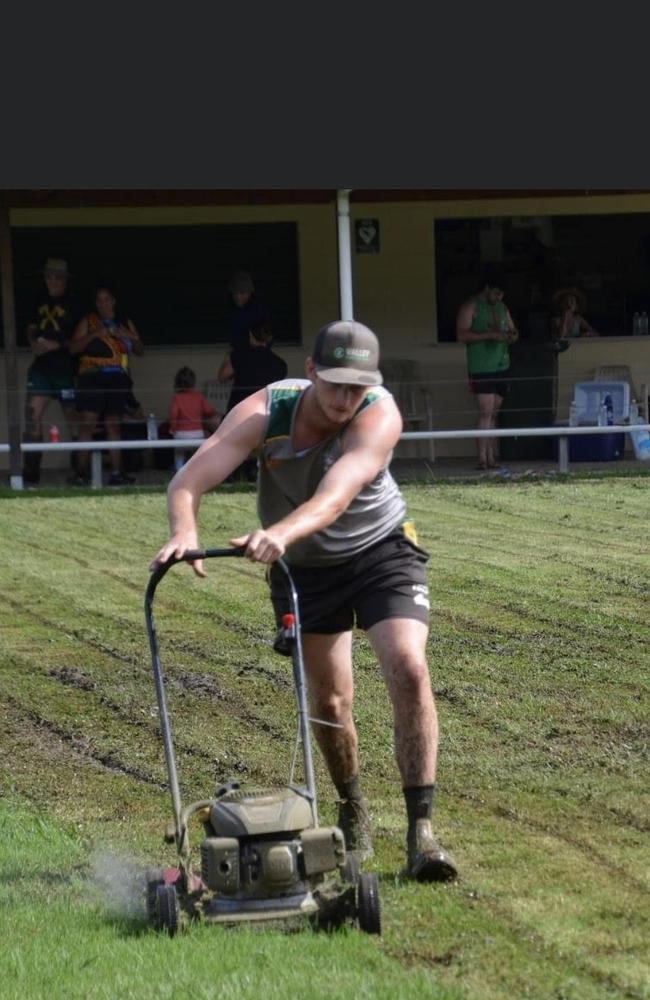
[[485, 326], [327, 502]]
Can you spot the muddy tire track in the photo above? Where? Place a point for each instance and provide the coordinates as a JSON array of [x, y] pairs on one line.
[[107, 759], [92, 641], [72, 677]]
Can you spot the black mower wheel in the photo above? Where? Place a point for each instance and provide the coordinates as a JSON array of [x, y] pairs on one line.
[[168, 911], [153, 878], [368, 903], [351, 869]]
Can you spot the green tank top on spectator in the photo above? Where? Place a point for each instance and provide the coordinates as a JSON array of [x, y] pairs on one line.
[[488, 355]]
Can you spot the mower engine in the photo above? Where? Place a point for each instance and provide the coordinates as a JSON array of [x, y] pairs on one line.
[[264, 845]]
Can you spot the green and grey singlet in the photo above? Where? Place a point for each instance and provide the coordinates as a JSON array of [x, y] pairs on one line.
[[487, 355], [288, 478]]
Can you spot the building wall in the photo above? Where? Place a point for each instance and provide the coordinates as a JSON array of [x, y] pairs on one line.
[[394, 293]]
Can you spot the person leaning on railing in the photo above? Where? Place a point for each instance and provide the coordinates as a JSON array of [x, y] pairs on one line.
[[569, 322]]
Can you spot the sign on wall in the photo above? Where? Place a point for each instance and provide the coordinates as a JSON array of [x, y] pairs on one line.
[[366, 233]]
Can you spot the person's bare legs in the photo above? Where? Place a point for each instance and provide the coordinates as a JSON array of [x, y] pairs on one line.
[[328, 666], [400, 646], [72, 422], [86, 428], [493, 458], [34, 409], [113, 425], [486, 421]]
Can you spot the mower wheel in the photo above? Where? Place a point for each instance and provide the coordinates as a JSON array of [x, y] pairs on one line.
[[168, 911], [368, 903], [351, 869], [153, 878]]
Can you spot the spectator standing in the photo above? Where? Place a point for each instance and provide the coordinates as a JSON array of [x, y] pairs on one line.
[[485, 326], [245, 310], [250, 367], [103, 341], [190, 414], [52, 372]]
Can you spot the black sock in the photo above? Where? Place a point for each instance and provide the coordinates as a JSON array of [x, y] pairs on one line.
[[350, 789], [419, 803]]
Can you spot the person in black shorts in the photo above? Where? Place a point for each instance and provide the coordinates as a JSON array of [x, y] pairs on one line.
[[486, 383], [329, 506], [485, 326], [51, 373]]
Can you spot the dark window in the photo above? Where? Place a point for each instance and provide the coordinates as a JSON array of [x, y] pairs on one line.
[[171, 280], [606, 256]]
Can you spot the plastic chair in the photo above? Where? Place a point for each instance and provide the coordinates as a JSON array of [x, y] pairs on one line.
[[616, 373], [217, 393], [623, 373], [412, 398]]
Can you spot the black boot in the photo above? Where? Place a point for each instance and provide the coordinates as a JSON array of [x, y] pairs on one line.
[[426, 859]]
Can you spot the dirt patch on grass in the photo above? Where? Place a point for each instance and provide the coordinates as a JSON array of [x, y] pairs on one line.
[[202, 684], [72, 677]]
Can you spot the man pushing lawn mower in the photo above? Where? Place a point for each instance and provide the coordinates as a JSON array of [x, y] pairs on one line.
[[330, 508]]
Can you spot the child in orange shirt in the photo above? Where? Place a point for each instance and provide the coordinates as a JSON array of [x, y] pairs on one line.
[[190, 413]]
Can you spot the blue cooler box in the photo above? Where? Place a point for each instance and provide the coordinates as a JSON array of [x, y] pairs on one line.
[[596, 447], [588, 397]]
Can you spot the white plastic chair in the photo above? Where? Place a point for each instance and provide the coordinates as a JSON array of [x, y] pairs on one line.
[[616, 373], [217, 393], [412, 397]]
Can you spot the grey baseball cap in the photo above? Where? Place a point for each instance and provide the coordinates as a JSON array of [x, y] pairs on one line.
[[347, 351]]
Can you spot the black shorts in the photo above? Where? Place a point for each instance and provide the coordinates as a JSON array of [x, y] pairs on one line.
[[52, 374], [490, 383], [104, 393], [388, 580]]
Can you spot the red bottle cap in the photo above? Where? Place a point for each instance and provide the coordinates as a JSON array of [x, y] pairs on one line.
[[288, 621]]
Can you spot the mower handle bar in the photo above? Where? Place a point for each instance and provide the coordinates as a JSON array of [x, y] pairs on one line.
[[298, 673], [192, 555]]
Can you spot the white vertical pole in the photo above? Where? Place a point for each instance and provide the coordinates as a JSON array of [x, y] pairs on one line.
[[345, 253]]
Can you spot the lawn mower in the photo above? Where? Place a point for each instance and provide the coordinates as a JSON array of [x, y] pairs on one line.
[[264, 856]]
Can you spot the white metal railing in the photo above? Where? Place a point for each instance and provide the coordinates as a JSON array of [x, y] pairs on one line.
[[96, 447]]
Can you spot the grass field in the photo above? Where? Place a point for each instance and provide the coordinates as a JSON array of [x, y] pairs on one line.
[[539, 653]]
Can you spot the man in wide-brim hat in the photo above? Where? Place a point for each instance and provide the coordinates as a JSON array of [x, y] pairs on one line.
[[51, 373]]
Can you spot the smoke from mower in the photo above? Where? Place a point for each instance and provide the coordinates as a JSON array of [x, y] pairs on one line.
[[119, 880]]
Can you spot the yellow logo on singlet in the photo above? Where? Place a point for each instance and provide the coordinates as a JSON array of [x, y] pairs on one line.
[[408, 527]]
